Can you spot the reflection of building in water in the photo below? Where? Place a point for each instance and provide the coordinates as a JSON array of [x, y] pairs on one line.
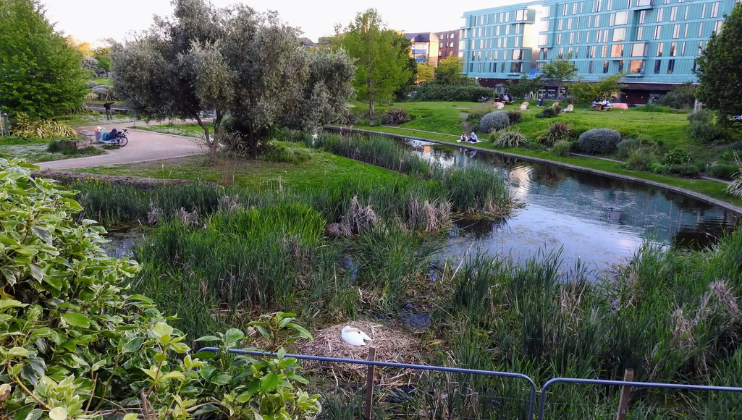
[[520, 182], [427, 149]]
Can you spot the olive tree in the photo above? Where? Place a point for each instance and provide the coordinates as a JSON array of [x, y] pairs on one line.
[[231, 60]]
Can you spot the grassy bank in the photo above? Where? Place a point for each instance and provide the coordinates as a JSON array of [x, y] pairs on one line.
[[713, 189], [39, 150]]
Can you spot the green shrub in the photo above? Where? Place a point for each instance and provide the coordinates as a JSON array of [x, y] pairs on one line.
[[434, 91], [509, 138], [514, 116], [677, 156], [653, 108], [44, 129], [396, 117], [562, 148], [723, 170], [640, 159], [735, 188], [685, 169], [658, 167], [625, 146], [281, 153], [600, 141], [701, 115], [558, 130], [549, 112], [704, 132], [735, 147], [494, 121], [681, 96]]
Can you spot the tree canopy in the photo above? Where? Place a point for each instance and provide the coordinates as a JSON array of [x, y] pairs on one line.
[[382, 67], [718, 68], [523, 86], [40, 73], [449, 71], [231, 60], [604, 88], [559, 71], [425, 73]]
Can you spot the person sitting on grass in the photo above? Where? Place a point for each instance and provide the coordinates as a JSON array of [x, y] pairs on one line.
[[473, 138], [463, 138]]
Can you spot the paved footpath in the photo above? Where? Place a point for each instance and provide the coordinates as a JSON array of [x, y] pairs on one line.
[[143, 146]]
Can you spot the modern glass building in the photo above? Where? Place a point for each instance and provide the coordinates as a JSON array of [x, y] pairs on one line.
[[655, 42]]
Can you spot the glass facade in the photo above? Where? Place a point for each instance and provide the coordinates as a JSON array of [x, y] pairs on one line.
[[620, 35]]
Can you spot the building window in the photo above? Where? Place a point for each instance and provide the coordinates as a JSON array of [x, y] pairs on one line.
[[521, 15], [507, 29], [543, 39], [499, 43], [619, 35], [582, 7], [670, 66], [700, 29], [682, 49], [717, 26], [643, 3], [659, 15], [571, 38], [660, 47], [636, 66], [599, 36], [559, 39], [619, 18], [642, 16], [590, 67], [561, 25], [605, 67], [715, 10], [640, 33], [609, 5], [517, 42], [517, 29], [592, 53], [502, 67], [600, 3], [620, 66], [674, 14], [597, 21], [617, 50], [604, 51], [516, 67], [561, 53], [574, 8], [639, 50], [564, 10], [676, 32], [471, 67], [673, 49], [685, 33], [657, 31], [543, 53], [686, 12], [703, 11], [657, 66], [700, 48], [546, 10], [569, 23], [605, 35]]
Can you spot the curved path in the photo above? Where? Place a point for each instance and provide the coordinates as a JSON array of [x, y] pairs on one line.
[[143, 146]]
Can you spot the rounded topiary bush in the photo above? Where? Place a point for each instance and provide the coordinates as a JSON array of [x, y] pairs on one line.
[[599, 141], [91, 84], [494, 121]]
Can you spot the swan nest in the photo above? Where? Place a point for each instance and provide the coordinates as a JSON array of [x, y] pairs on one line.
[[391, 346]]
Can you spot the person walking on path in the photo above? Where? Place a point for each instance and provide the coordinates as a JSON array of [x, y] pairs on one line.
[[107, 106]]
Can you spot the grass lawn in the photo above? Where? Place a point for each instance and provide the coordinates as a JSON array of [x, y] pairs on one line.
[[190, 130], [94, 118], [668, 130], [37, 150], [101, 80], [252, 173]]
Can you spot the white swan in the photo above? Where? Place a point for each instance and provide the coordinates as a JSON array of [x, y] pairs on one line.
[[354, 336]]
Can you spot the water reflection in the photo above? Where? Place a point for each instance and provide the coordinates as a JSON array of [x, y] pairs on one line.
[[596, 219]]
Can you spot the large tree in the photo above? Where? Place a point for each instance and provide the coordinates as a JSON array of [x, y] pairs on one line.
[[719, 69], [584, 91], [232, 60], [425, 73], [523, 86], [40, 73], [449, 71], [559, 71], [382, 66]]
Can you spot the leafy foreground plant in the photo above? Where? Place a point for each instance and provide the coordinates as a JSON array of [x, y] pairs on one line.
[[75, 345]]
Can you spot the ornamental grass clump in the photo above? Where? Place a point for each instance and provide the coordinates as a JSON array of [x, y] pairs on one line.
[[509, 138]]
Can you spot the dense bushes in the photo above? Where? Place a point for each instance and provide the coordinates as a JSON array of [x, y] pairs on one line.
[[494, 121], [43, 129], [704, 132], [434, 91], [600, 141], [562, 148], [682, 96], [396, 117], [676, 156], [723, 170], [549, 112], [640, 159], [625, 146], [558, 130], [514, 116]]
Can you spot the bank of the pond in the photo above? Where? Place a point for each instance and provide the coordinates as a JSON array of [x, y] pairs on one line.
[[708, 191]]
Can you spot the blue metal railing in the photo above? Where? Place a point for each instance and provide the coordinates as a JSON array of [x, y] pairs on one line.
[[531, 383]]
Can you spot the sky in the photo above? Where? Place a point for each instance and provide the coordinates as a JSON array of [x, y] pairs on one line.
[[94, 20]]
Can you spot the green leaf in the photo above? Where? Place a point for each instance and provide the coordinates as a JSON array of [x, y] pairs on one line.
[[43, 234], [161, 329], [302, 332], [208, 338], [76, 320], [54, 281], [173, 375], [10, 303], [34, 414], [36, 272], [233, 335], [269, 382], [244, 397], [297, 378], [281, 353], [133, 345], [58, 413], [130, 417], [221, 378], [263, 332], [179, 348], [19, 352]]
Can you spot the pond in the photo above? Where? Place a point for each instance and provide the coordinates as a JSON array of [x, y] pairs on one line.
[[597, 220]]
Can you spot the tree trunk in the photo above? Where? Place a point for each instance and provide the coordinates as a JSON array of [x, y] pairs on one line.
[[370, 107], [211, 144]]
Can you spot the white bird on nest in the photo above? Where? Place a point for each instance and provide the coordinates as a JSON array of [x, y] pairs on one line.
[[354, 336]]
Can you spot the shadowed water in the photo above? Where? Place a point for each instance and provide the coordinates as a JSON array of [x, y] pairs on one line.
[[598, 220]]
